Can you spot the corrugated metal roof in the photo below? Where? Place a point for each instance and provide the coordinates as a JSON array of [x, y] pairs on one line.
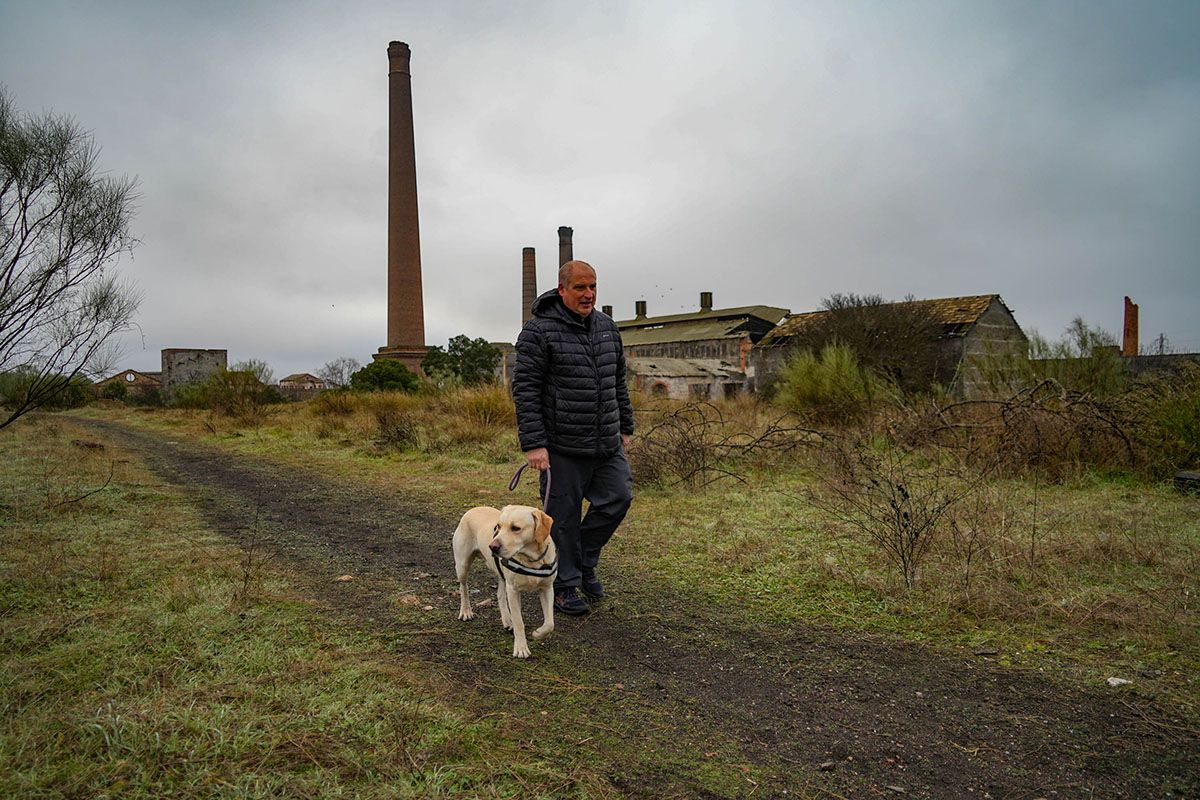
[[682, 367], [769, 313], [681, 332], [957, 314]]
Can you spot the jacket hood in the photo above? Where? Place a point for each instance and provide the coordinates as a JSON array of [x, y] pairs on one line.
[[550, 304]]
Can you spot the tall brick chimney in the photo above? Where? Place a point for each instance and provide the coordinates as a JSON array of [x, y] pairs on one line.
[[1129, 336], [565, 249], [705, 301], [528, 283], [639, 309], [406, 312]]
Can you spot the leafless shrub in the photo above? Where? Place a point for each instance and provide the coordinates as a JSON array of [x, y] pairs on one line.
[[1045, 429], [698, 443], [898, 497], [251, 565]]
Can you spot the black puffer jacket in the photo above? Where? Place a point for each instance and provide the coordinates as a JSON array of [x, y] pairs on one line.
[[569, 382]]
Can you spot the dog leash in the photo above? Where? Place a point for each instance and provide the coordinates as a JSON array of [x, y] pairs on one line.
[[516, 478]]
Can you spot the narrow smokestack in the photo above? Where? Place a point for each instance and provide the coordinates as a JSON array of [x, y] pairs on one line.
[[607, 310], [528, 283], [1129, 338], [639, 309], [406, 314], [706, 301], [566, 251]]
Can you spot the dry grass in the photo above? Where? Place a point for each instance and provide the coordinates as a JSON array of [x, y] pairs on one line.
[[135, 663], [1094, 570]]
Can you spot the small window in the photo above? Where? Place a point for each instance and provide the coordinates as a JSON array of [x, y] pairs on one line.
[[659, 390], [130, 377]]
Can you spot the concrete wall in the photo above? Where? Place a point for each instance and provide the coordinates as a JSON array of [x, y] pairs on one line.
[[182, 365], [1173, 362], [993, 338], [686, 388], [725, 348]]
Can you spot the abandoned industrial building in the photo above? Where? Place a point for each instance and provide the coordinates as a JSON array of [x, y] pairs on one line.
[[702, 354], [960, 333]]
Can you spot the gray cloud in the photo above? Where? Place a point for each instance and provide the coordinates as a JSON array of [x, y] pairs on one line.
[[771, 153]]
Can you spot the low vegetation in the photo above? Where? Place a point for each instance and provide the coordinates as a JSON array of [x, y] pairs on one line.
[[1033, 525], [144, 655]]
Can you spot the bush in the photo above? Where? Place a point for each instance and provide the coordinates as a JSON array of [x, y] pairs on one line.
[[17, 384], [699, 443], [147, 396], [396, 418], [385, 375], [1167, 410], [335, 402], [116, 390], [833, 387], [228, 393]]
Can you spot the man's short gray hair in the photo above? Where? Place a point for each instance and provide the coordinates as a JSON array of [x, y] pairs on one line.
[[568, 269]]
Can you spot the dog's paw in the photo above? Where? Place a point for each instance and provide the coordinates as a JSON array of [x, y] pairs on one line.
[[521, 651], [542, 632], [466, 615]]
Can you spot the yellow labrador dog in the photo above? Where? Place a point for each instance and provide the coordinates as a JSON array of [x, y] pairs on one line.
[[515, 543]]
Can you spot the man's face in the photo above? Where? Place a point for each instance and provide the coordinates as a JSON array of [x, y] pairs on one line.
[[579, 294]]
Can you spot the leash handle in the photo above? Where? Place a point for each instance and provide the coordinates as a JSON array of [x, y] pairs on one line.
[[516, 478]]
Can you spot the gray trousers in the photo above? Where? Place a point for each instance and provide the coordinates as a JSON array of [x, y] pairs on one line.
[[607, 485]]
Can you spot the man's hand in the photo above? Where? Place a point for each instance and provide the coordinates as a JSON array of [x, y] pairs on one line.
[[625, 440], [538, 458]]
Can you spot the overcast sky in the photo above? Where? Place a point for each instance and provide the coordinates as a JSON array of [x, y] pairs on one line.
[[771, 153]]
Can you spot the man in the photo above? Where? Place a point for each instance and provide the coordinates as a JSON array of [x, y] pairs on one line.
[[574, 419]]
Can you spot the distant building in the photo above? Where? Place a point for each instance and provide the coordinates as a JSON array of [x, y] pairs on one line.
[[686, 378], [683, 353], [302, 386], [967, 331], [132, 380], [303, 381]]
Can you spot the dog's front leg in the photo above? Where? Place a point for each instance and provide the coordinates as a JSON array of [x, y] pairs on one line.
[[502, 604], [547, 595], [520, 645], [464, 604]]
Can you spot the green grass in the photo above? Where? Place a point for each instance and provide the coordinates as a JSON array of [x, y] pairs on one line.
[[132, 664], [140, 656], [1097, 576]]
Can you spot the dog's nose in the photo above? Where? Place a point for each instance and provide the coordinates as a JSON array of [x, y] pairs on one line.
[[494, 544]]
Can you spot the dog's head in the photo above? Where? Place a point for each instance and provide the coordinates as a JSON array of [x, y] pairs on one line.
[[521, 528]]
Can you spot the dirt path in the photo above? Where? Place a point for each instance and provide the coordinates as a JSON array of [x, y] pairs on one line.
[[823, 713]]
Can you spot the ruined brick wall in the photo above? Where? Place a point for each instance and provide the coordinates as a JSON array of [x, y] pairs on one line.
[[181, 365]]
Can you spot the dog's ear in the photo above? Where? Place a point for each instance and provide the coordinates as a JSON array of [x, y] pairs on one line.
[[544, 521]]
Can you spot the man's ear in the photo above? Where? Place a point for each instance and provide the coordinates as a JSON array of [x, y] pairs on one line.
[[544, 521]]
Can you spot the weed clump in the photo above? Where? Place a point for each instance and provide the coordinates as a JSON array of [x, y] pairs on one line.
[[832, 387]]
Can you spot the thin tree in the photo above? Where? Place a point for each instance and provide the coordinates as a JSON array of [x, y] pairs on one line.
[[338, 371], [63, 226]]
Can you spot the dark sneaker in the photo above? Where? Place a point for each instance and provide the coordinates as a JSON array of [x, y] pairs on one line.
[[591, 586], [567, 601]]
